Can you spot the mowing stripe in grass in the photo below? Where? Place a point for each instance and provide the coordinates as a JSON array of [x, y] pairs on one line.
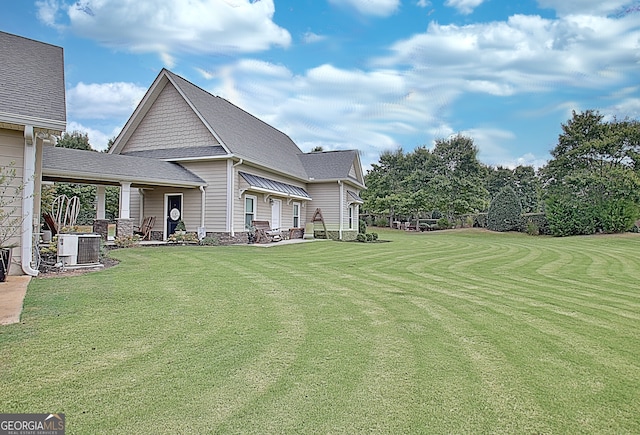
[[447, 332]]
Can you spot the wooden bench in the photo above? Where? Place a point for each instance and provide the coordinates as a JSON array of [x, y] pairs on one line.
[[264, 233]]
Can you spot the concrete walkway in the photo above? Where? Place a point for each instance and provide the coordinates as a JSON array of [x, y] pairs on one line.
[[11, 296]]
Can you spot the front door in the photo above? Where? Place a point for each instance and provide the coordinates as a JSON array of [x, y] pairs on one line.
[[174, 212], [276, 208]]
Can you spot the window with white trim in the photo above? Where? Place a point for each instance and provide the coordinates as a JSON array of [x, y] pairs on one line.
[[296, 215], [250, 203], [352, 213]]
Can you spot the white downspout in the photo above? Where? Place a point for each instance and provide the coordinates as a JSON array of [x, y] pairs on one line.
[[29, 171], [341, 208], [202, 205], [232, 195]]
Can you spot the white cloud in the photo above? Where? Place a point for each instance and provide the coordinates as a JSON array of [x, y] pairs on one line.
[[585, 7], [47, 11], [423, 3], [173, 26], [97, 139], [524, 53], [464, 6], [379, 8], [103, 100], [310, 38], [494, 148], [371, 111]]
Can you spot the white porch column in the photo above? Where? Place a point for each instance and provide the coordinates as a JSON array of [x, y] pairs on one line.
[[101, 199], [125, 200]]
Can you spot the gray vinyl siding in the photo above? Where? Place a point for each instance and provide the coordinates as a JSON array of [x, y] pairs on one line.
[[12, 150], [134, 207], [154, 206], [326, 196], [263, 209], [169, 123], [214, 172]]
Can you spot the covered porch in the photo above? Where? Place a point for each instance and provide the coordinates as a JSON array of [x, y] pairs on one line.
[[129, 174]]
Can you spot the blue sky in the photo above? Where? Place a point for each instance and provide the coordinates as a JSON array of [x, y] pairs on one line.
[[373, 75]]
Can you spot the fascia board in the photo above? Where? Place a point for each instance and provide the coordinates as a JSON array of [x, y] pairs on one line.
[[50, 124]]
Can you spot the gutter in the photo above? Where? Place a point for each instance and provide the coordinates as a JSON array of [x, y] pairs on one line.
[[28, 174]]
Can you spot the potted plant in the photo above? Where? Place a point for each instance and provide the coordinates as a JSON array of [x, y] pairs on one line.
[[180, 227], [10, 224]]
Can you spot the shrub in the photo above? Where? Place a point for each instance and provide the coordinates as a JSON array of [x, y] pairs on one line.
[[443, 223], [183, 238], [537, 220], [505, 211], [480, 220], [570, 216], [381, 222], [126, 241], [362, 226], [374, 236], [209, 241], [369, 237], [618, 215], [361, 237]]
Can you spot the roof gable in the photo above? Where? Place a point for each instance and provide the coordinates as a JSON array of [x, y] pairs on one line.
[[32, 82], [243, 134], [333, 165]]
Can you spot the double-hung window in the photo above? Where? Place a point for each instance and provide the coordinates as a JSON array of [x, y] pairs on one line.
[[249, 210], [296, 215]]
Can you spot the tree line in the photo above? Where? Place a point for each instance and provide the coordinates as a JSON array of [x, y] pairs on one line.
[[591, 184]]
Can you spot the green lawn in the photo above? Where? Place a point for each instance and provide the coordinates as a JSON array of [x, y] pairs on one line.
[[446, 332]]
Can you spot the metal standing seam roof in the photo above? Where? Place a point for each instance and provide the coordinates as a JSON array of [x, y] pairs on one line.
[[32, 79], [256, 181], [94, 166], [355, 197]]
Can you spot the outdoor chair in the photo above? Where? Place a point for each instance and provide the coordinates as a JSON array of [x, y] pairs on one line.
[[145, 229], [264, 233]]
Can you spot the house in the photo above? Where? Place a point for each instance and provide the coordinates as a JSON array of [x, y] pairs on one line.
[[243, 168], [187, 155], [32, 114]]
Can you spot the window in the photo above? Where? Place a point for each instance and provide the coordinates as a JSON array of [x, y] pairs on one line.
[[249, 210], [296, 215], [351, 213]]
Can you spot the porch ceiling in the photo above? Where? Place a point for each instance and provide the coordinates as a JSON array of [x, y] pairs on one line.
[[89, 167]]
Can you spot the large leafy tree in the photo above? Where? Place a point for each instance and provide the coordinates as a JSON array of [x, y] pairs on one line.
[[524, 182], [76, 140], [458, 177], [593, 181], [450, 179]]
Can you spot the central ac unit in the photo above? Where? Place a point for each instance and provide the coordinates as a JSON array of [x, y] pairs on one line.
[[79, 249]]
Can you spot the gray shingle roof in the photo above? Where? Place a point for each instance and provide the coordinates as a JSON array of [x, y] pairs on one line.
[[67, 163], [256, 181], [329, 165], [244, 135], [31, 79], [180, 153]]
